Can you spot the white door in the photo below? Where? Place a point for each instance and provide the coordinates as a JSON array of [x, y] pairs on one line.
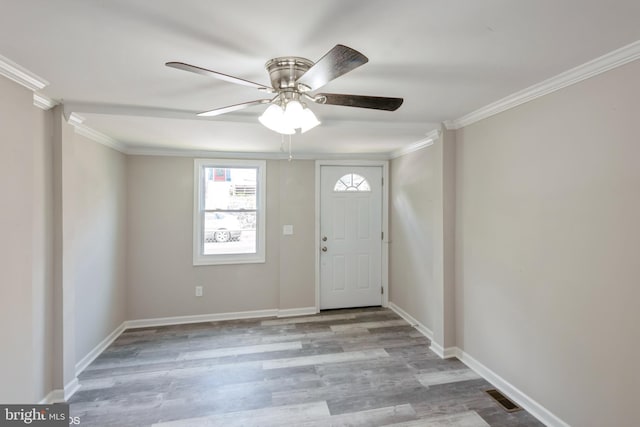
[[350, 236]]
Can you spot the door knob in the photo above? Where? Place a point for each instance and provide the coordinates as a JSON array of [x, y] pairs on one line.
[[324, 249]]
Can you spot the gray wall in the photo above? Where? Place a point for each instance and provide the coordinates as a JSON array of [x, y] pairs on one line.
[[547, 249], [414, 203], [26, 252], [297, 251], [161, 276], [99, 242], [422, 211], [63, 229]]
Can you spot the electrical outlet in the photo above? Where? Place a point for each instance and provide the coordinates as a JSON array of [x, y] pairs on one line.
[[198, 291]]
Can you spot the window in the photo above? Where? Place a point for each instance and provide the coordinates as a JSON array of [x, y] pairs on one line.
[[229, 211], [352, 182]]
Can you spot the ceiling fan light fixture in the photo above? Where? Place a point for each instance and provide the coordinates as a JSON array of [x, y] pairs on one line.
[[308, 120], [294, 115], [274, 118]]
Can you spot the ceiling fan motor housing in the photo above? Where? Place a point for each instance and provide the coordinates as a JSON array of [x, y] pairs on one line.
[[284, 71]]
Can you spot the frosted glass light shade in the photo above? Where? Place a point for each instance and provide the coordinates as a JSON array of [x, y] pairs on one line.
[[273, 118], [308, 120], [293, 113], [286, 121]]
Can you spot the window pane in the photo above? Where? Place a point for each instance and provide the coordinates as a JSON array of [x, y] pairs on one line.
[[230, 188], [229, 233], [352, 182], [229, 210], [340, 186]]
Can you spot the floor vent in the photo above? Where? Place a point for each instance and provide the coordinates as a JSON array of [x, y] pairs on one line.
[[503, 401]]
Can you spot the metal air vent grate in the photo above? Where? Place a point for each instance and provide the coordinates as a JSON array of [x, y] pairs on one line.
[[503, 401]]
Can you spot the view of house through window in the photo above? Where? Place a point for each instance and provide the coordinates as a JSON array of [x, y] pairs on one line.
[[230, 210]]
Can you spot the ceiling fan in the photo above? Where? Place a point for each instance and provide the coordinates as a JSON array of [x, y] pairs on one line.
[[293, 79]]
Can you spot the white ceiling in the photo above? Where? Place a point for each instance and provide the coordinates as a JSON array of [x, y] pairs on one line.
[[105, 61]]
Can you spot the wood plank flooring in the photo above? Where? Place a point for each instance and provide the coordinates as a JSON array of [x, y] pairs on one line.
[[358, 367]]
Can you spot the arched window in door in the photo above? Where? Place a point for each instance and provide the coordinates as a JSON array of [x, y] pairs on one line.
[[352, 182]]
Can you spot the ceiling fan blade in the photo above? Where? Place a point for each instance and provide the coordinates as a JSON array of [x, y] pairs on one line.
[[230, 108], [215, 74], [360, 101], [338, 61]]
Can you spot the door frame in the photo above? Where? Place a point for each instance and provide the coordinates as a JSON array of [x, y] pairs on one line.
[[384, 164]]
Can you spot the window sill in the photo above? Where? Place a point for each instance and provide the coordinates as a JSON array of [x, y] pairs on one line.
[[228, 260]]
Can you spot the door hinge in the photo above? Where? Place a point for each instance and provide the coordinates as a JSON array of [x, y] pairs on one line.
[[381, 290], [382, 181], [382, 235]]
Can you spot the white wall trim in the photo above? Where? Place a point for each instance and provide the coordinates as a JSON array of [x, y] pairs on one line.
[[80, 128], [530, 405], [303, 311], [533, 407], [609, 61], [54, 396], [98, 349], [199, 318], [412, 321], [168, 152], [423, 143], [437, 349], [21, 75], [450, 352], [443, 353], [71, 388], [60, 395], [43, 102]]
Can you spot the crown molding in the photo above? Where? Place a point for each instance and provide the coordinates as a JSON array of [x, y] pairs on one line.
[[609, 61], [80, 128], [168, 152], [21, 75], [423, 143], [43, 102], [75, 119]]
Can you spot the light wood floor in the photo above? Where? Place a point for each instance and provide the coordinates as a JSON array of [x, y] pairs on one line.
[[360, 367]]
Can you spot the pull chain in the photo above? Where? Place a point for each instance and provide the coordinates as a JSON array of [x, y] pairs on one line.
[[290, 155]]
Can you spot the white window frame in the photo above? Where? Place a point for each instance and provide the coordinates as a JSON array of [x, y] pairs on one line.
[[199, 258]]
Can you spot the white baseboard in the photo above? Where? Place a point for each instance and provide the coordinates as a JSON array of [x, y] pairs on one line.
[[304, 311], [530, 405], [179, 320], [450, 352], [199, 318], [443, 353], [97, 350], [60, 395], [54, 396], [437, 349], [413, 322], [71, 388]]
